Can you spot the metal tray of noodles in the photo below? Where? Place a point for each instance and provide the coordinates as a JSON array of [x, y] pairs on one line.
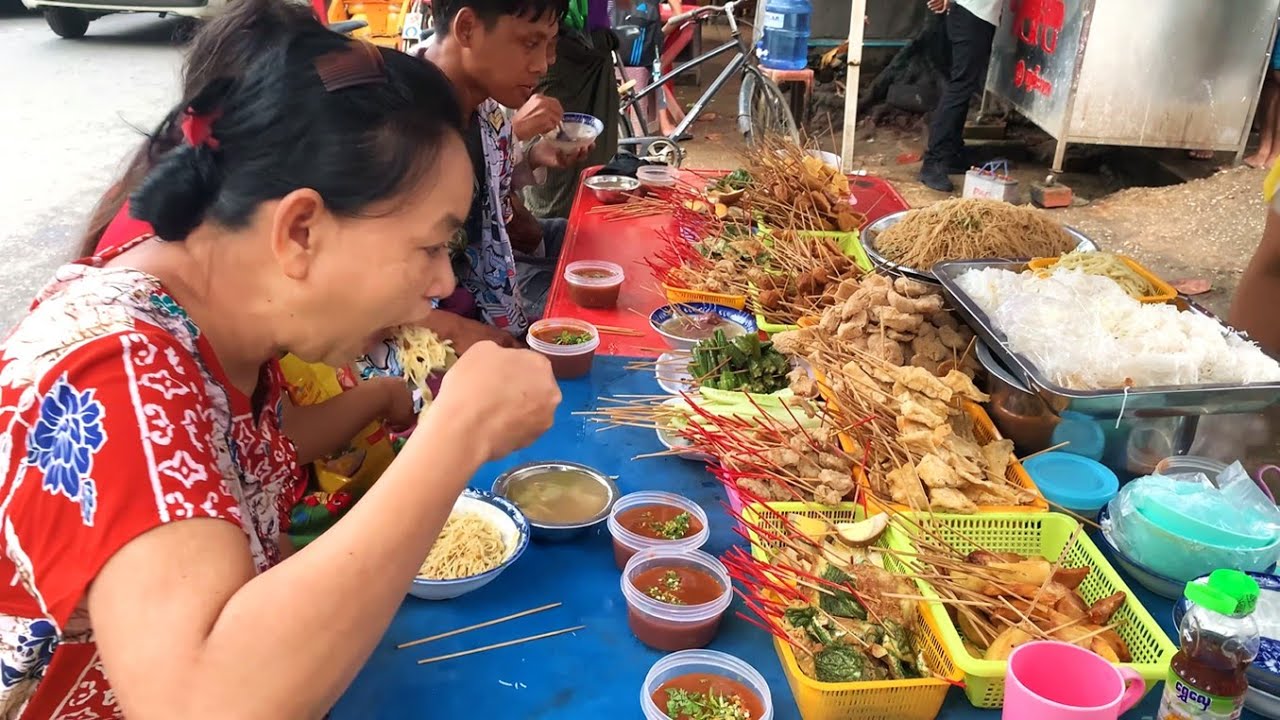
[[870, 233], [1137, 402]]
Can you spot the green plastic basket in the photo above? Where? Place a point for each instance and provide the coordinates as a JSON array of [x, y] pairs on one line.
[[1043, 534], [850, 243]]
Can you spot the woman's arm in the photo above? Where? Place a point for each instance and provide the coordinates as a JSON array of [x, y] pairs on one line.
[[187, 630], [320, 430], [1254, 308], [465, 332]]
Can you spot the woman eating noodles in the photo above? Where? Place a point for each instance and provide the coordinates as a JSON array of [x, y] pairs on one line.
[[140, 441]]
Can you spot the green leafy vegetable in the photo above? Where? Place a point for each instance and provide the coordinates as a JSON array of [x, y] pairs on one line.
[[839, 602], [704, 706], [840, 663], [571, 338], [741, 364]]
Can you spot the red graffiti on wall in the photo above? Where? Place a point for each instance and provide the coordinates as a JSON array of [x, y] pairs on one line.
[[1038, 22], [1030, 79]]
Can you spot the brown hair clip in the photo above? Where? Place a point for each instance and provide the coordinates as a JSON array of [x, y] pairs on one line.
[[360, 63]]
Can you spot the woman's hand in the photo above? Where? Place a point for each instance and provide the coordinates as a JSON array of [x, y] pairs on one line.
[[539, 114], [397, 404], [468, 333], [938, 6], [506, 418]]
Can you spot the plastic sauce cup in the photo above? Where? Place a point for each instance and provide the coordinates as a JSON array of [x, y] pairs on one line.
[[567, 361], [657, 176], [668, 627], [594, 283], [627, 543], [701, 662]]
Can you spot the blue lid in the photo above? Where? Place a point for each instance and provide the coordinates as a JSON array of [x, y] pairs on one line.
[[1084, 434], [1073, 481]]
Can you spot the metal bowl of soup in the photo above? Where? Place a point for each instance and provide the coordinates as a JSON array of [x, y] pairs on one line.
[[561, 500], [685, 325]]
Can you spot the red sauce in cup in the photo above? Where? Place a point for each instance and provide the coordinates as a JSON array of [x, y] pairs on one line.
[[594, 283], [699, 685], [656, 522], [570, 345]]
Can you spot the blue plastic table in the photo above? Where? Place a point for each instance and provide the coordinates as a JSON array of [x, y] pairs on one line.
[[596, 672]]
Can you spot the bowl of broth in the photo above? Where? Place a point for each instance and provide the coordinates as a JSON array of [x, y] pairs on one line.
[[561, 500], [654, 519], [676, 597], [684, 325], [568, 343], [700, 675]]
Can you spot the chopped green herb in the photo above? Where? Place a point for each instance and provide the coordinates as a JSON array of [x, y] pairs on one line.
[[705, 706], [673, 529], [571, 338]]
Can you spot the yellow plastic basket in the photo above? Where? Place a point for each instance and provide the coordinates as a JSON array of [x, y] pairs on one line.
[[850, 242], [1045, 534], [1164, 291], [919, 699], [677, 295]]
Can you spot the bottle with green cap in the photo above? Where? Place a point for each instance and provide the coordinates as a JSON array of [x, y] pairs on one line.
[[1219, 639]]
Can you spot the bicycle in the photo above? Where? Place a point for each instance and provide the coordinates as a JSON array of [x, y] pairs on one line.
[[762, 108]]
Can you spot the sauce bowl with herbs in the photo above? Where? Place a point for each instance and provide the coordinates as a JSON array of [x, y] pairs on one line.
[[653, 519], [705, 685], [569, 344], [676, 597], [685, 325], [594, 284], [561, 500]]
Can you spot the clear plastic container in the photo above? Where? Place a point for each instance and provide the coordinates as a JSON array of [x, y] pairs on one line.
[[594, 283], [657, 176], [1190, 465], [568, 361], [664, 626], [627, 543], [701, 662]]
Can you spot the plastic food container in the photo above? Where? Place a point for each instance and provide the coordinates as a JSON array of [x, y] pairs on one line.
[[701, 662], [657, 176], [1073, 482], [668, 627], [568, 361], [594, 283], [627, 543]]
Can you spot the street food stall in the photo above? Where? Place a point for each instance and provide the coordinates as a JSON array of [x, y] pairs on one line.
[[761, 384], [1173, 74]]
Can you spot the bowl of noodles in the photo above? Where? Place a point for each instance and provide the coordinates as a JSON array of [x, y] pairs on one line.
[[483, 536]]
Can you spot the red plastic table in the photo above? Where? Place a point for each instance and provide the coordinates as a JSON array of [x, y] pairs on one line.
[[589, 236]]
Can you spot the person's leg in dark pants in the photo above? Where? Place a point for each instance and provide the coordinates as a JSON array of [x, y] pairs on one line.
[[970, 53]]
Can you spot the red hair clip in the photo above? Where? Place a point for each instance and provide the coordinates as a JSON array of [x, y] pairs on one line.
[[197, 129]]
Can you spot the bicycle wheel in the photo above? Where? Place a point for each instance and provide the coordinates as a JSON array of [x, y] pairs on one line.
[[763, 111]]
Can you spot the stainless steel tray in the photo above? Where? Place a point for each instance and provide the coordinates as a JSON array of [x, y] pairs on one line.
[[1140, 402], [869, 244]]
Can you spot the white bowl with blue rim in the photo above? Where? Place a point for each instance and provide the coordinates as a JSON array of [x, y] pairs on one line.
[[511, 525], [1074, 482], [1264, 673], [664, 314], [576, 131]]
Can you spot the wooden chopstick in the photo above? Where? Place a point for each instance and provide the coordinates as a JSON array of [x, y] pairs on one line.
[[477, 626], [495, 646], [1059, 446], [615, 330]]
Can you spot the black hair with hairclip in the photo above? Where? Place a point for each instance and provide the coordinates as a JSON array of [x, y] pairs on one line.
[[356, 123], [444, 11]]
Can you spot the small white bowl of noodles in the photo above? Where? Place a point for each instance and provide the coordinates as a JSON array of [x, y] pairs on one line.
[[483, 536]]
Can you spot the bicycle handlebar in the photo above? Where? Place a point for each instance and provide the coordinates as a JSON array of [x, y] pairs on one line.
[[677, 20]]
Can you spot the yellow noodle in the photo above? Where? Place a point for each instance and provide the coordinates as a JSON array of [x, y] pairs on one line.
[[972, 229], [1108, 266], [468, 545], [422, 353]]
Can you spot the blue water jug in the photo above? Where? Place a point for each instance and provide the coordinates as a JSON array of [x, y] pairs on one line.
[[785, 44]]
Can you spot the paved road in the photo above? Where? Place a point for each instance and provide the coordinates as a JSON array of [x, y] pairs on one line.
[[71, 112]]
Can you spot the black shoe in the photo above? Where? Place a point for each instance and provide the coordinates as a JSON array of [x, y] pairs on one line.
[[935, 178]]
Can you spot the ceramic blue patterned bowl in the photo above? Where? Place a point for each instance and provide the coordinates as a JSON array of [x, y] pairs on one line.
[[685, 325], [511, 524], [1264, 673]]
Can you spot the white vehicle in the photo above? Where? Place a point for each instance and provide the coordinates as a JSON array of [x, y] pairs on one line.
[[70, 18]]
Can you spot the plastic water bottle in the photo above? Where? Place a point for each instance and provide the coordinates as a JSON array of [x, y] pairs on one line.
[[785, 44]]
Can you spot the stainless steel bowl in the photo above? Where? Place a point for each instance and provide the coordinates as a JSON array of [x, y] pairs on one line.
[[612, 189], [872, 231], [545, 532]]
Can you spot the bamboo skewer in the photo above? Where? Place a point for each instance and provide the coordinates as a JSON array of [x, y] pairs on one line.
[[477, 626], [496, 646]]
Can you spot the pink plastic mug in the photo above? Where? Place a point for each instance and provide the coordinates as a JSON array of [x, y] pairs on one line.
[[1057, 681]]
